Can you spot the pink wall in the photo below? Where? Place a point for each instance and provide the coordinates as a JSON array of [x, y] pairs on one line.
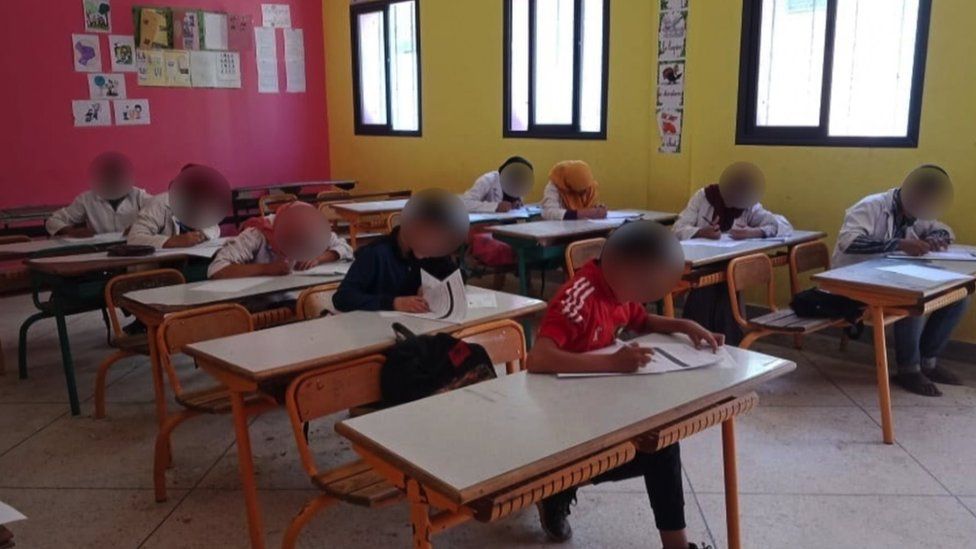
[[252, 138]]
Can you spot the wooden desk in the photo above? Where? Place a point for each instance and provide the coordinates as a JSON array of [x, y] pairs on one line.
[[353, 213], [514, 440], [542, 241], [522, 214], [705, 265], [891, 297], [249, 362], [23, 250], [244, 200], [27, 220]]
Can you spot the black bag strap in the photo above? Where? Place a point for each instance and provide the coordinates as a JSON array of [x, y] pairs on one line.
[[402, 332]]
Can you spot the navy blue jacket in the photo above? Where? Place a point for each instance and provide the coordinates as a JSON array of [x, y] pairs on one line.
[[380, 273]]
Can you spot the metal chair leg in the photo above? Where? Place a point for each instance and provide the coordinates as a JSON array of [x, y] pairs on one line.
[[22, 347], [68, 364]]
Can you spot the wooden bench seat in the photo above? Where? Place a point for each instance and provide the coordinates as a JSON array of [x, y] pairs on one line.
[[357, 483], [786, 320]]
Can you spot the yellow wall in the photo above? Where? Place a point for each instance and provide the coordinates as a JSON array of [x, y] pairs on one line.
[[462, 110]]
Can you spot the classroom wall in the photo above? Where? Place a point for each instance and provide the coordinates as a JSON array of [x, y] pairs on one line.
[[252, 138]]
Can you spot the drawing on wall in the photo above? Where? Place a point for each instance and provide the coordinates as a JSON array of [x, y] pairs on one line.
[[122, 50], [150, 68], [133, 112], [671, 56], [277, 16], [106, 86], [155, 28], [89, 114], [98, 15], [177, 68], [189, 30], [87, 53]]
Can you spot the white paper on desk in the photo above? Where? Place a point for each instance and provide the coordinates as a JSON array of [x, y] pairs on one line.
[[9, 515], [720, 243], [952, 254], [925, 273], [446, 298], [105, 237], [613, 214], [327, 269], [266, 48], [482, 300], [668, 357], [231, 285]]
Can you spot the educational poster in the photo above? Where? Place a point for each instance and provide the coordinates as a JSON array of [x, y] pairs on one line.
[[671, 56], [240, 32], [177, 63], [122, 50], [91, 114], [189, 30], [294, 61], [266, 46], [98, 15], [87, 52], [276, 16], [215, 69], [106, 86], [150, 68], [133, 112], [154, 28], [215, 31]]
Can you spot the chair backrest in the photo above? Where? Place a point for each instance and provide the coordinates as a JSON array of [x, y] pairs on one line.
[[313, 301], [392, 221], [270, 203], [14, 239], [195, 325], [328, 390], [329, 212], [504, 340], [806, 257], [581, 251], [749, 272], [131, 282]]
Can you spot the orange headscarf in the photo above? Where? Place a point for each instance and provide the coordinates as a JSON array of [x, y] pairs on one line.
[[574, 180]]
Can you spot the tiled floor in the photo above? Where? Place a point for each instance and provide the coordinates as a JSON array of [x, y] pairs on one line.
[[813, 471]]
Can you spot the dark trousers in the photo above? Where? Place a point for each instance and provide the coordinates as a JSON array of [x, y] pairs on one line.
[[711, 307], [662, 478]]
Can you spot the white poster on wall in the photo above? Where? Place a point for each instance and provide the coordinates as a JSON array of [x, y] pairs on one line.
[[122, 52], [132, 112], [91, 114], [266, 47], [106, 86], [87, 52], [276, 15], [671, 56], [215, 69], [294, 61]]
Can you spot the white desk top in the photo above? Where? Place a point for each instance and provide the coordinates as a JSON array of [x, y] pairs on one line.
[[295, 347], [464, 441], [169, 298], [21, 249], [872, 276], [698, 255], [548, 232], [374, 207]]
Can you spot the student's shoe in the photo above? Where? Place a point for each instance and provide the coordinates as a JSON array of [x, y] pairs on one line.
[[916, 382], [696, 546], [554, 515], [135, 327], [941, 375]]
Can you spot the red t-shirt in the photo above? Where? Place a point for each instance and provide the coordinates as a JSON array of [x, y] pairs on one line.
[[584, 315]]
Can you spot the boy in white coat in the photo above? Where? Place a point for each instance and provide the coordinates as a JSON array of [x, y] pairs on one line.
[[189, 214]]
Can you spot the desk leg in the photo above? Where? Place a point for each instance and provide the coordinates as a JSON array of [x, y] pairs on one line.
[[67, 363], [245, 462], [22, 343], [731, 484], [159, 384], [419, 516], [884, 387]]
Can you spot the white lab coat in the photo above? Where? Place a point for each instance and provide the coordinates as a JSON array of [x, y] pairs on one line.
[[156, 223], [252, 247], [96, 212], [873, 217], [699, 214], [486, 193], [552, 203]]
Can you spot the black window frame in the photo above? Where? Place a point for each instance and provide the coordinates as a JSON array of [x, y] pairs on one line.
[[748, 132], [554, 131], [382, 6]]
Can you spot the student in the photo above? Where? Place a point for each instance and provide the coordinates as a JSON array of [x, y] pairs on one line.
[[110, 206], [386, 273], [640, 263], [905, 219], [297, 237], [187, 215], [571, 193], [729, 207], [501, 190]]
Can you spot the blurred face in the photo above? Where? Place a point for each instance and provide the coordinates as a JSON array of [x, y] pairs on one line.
[[200, 197], [742, 185], [516, 179], [301, 232], [428, 240], [111, 176], [642, 282], [926, 193]]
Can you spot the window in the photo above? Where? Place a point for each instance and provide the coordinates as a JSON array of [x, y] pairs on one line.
[[832, 72], [386, 67], [556, 54]]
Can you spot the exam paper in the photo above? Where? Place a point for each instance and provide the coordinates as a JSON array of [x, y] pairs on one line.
[[925, 273], [668, 357], [723, 242], [8, 514], [445, 298], [952, 254], [614, 214], [232, 285], [482, 300], [327, 269]]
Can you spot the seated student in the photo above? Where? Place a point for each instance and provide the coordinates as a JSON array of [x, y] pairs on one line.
[[731, 206], [904, 219], [110, 206], [640, 263], [187, 215], [571, 193], [501, 190], [297, 237], [386, 273]]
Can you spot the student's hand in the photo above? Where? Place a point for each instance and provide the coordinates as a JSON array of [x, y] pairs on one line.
[[504, 207], [629, 358], [597, 212], [278, 268], [76, 232], [746, 232], [327, 257], [700, 336], [185, 240], [914, 247], [938, 243], [711, 232], [411, 304]]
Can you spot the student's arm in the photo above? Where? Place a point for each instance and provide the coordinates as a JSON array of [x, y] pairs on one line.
[[691, 219], [768, 223], [358, 290], [937, 234], [547, 358], [147, 228], [67, 217], [235, 258], [856, 236], [475, 198], [341, 247], [655, 324], [552, 205]]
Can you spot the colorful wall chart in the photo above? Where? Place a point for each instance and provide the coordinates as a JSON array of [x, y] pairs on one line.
[[671, 54]]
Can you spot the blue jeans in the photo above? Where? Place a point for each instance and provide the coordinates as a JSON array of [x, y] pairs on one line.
[[921, 339]]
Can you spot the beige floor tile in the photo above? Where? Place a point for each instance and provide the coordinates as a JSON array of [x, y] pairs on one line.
[[20, 421]]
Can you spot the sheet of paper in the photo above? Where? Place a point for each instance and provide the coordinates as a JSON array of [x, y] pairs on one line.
[[151, 68], [482, 300], [953, 254], [215, 69], [613, 214], [327, 269], [177, 68], [276, 15], [87, 52], [924, 273], [106, 86], [668, 357], [215, 31], [9, 515], [446, 298], [266, 47], [91, 114], [122, 52], [725, 242], [294, 61], [98, 18], [105, 237], [231, 285]]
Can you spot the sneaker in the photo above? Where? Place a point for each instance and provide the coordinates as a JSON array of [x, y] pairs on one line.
[[554, 515], [697, 546]]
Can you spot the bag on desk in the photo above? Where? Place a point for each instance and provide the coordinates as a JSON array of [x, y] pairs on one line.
[[814, 303], [420, 366]]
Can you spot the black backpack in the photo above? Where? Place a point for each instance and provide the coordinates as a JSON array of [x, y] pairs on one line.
[[420, 366], [814, 303]]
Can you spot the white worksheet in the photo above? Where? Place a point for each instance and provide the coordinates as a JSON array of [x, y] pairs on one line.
[[612, 214], [952, 254], [925, 273], [327, 269], [232, 285], [724, 242], [668, 357], [446, 298], [8, 514], [482, 300]]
